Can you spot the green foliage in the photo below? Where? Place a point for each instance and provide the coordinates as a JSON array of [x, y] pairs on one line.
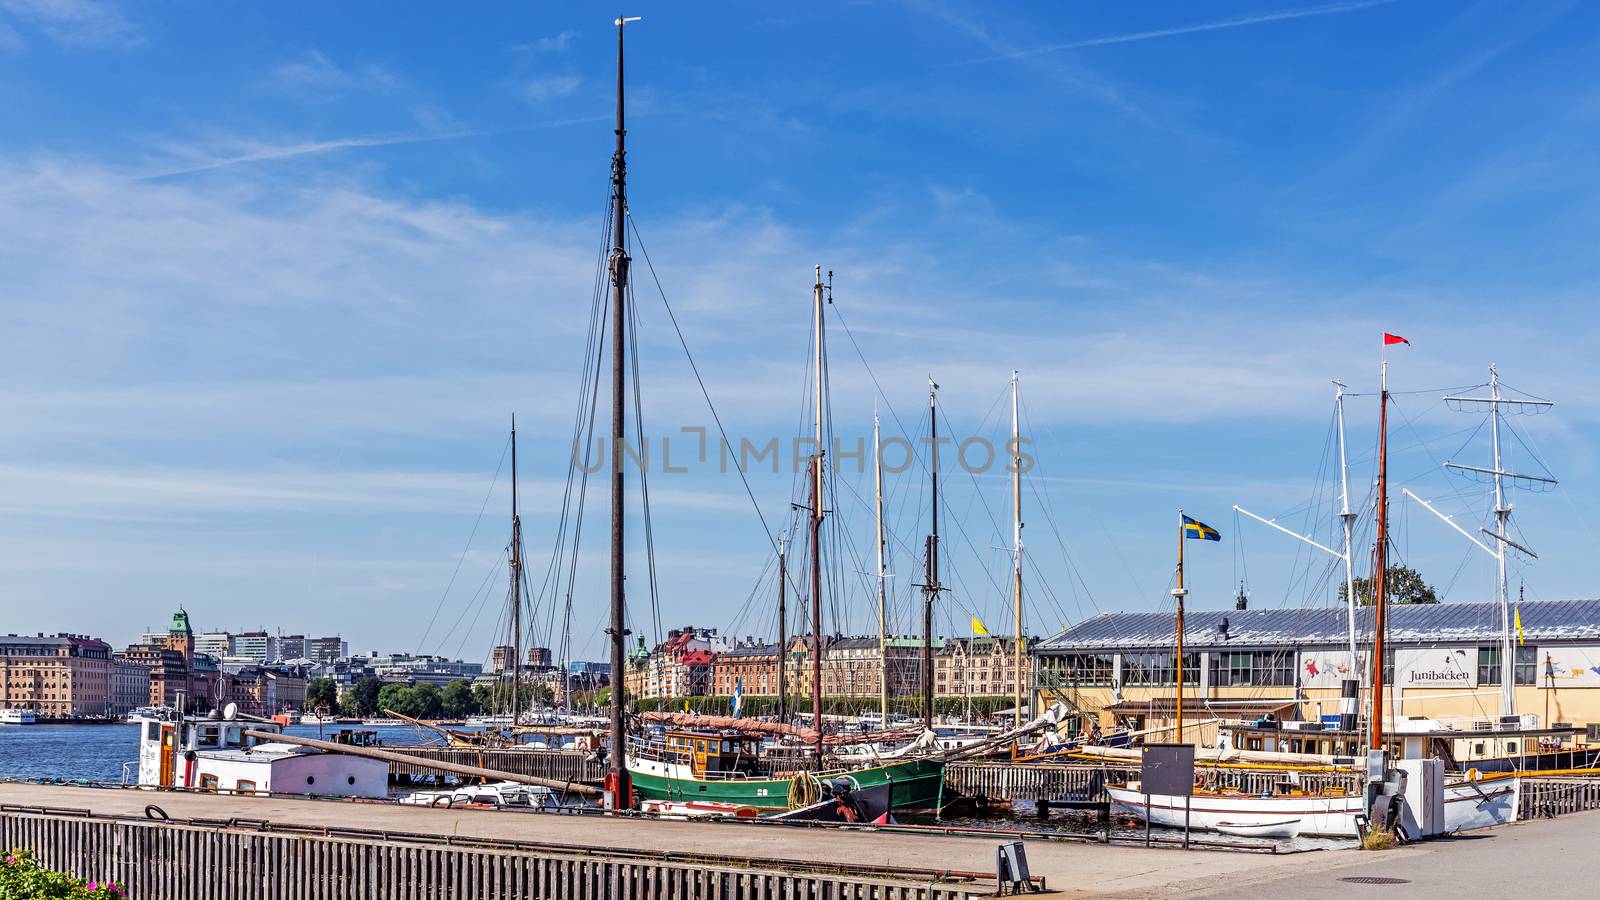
[[362, 698], [1404, 585], [458, 700], [22, 878], [322, 693]]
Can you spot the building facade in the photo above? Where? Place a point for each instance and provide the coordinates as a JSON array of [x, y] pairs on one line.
[[130, 685], [216, 644], [66, 676], [256, 645], [1443, 662], [981, 667], [327, 649]]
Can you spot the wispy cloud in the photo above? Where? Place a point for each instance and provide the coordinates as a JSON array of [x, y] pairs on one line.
[[272, 152], [1244, 21], [82, 23], [554, 43], [314, 70], [551, 86], [9, 39]]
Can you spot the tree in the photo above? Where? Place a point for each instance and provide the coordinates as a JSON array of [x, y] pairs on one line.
[[1404, 585], [362, 699], [399, 698], [458, 701], [427, 700], [322, 693], [483, 699]]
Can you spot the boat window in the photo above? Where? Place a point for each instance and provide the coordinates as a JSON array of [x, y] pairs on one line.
[[152, 731], [245, 786], [1477, 749], [208, 735], [1511, 746], [208, 782]]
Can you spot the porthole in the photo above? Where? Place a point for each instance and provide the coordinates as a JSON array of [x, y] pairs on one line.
[[311, 779], [351, 779]]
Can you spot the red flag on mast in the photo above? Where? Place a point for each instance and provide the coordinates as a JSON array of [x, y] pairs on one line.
[[1394, 339]]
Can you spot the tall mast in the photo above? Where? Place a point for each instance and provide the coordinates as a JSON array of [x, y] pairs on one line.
[[1380, 557], [1178, 594], [620, 793], [883, 595], [1016, 541], [516, 587], [930, 587], [816, 529], [783, 632], [1502, 512], [1348, 520]]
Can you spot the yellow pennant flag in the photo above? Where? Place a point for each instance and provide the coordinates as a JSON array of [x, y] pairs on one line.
[[1519, 626], [977, 627]]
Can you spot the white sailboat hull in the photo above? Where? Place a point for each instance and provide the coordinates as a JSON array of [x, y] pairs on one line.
[[1326, 816], [1467, 805]]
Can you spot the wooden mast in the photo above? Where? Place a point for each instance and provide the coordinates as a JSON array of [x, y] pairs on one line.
[[883, 595], [930, 587], [1380, 560], [1178, 593], [783, 633], [1020, 647], [816, 529], [619, 796], [516, 588]]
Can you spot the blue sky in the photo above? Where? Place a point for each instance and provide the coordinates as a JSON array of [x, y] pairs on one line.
[[273, 279]]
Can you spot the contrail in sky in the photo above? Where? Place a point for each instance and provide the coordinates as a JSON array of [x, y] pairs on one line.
[[1331, 9]]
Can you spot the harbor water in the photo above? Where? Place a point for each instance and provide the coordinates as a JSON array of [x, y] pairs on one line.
[[96, 753]]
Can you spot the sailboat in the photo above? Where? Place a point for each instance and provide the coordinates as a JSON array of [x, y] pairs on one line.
[[1471, 802], [725, 765]]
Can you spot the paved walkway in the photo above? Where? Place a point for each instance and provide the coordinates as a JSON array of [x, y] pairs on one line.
[[1550, 857], [1077, 869]]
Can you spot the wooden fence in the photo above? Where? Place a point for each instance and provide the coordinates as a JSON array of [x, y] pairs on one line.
[[198, 860]]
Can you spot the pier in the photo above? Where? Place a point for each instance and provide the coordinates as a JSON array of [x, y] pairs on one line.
[[561, 765], [213, 846]]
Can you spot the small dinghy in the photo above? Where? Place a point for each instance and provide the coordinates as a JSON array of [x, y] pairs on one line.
[[698, 809], [1283, 828]]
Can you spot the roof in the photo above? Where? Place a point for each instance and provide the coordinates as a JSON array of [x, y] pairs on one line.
[[1416, 623]]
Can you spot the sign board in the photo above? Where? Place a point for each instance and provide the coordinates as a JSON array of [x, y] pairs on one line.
[[1167, 769], [1569, 667], [1436, 667], [1328, 668]]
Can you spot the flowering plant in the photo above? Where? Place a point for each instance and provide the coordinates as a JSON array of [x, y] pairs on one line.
[[22, 878]]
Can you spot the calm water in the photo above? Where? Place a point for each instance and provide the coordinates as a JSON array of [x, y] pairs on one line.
[[97, 752]]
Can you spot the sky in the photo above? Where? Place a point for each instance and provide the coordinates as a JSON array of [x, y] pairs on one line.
[[274, 279]]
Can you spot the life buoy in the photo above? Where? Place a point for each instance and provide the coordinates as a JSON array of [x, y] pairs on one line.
[[155, 812], [449, 801]]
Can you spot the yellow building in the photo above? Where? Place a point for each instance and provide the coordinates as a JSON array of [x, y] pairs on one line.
[[67, 676], [1444, 663]]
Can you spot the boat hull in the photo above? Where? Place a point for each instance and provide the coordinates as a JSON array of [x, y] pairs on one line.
[[913, 784], [1333, 816]]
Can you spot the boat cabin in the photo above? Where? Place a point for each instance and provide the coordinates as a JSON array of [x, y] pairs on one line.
[[712, 754], [216, 755]]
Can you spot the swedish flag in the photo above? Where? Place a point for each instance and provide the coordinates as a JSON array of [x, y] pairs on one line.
[[1196, 530]]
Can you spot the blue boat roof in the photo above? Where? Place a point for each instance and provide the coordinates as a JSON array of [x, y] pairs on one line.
[[1419, 623]]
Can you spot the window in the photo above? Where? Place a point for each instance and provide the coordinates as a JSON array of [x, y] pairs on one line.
[[1489, 665], [1157, 668], [1259, 668], [208, 783], [245, 786], [1075, 669]]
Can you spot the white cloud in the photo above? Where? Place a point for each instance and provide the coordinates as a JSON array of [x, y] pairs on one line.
[[314, 71], [554, 43], [84, 23], [551, 86]]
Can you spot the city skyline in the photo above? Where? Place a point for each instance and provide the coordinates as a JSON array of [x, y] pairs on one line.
[[275, 289]]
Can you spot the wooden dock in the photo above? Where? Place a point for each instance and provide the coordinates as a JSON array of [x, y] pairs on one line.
[[1550, 795], [562, 765], [293, 849]]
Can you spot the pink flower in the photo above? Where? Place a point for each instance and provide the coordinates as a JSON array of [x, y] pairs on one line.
[[11, 859], [92, 885]]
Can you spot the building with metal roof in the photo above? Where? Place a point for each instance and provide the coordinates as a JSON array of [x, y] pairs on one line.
[[1443, 661]]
